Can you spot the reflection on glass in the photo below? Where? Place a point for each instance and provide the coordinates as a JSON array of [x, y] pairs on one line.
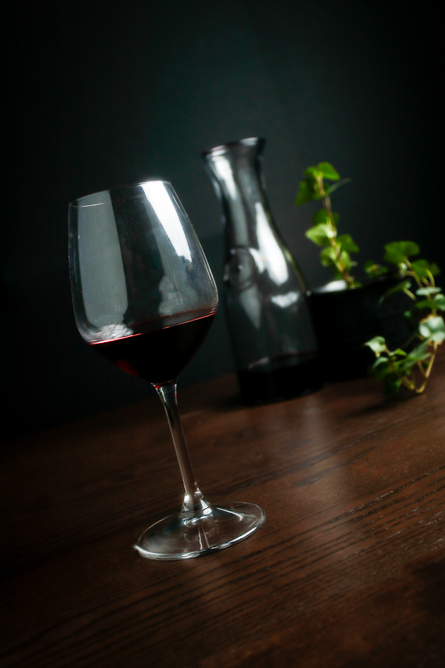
[[270, 250], [168, 216]]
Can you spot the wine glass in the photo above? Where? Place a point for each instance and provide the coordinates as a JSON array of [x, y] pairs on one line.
[[144, 298]]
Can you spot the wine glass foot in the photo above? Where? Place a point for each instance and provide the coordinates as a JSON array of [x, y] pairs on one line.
[[193, 534]]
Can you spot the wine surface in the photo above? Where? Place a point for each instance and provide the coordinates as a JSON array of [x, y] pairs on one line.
[[160, 355], [279, 378]]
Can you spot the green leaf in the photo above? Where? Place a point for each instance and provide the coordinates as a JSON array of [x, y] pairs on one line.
[[328, 171], [321, 216], [421, 267], [399, 351], [425, 303], [433, 329], [317, 195], [320, 234], [392, 384], [380, 361], [305, 193], [396, 252], [377, 344], [369, 267], [439, 302], [313, 173], [347, 244], [345, 259], [428, 291], [333, 186], [381, 368], [419, 354], [400, 287], [328, 257], [373, 269]]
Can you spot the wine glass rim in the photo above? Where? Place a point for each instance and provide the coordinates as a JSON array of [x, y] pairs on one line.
[[249, 142], [79, 201]]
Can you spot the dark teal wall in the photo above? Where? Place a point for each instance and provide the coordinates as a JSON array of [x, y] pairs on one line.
[[112, 93]]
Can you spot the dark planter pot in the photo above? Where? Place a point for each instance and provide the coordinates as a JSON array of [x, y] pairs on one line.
[[345, 319]]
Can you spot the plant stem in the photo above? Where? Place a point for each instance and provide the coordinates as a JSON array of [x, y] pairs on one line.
[[428, 369], [412, 272], [411, 384], [326, 201], [432, 281]]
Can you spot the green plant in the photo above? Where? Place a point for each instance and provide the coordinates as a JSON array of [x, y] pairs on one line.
[[335, 248], [396, 368], [412, 369]]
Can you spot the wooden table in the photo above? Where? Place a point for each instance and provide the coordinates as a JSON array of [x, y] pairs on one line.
[[348, 569]]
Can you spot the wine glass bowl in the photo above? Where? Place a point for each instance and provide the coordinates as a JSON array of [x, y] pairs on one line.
[[144, 298], [136, 261]]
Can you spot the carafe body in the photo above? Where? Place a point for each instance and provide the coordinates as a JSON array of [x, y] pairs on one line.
[[264, 292]]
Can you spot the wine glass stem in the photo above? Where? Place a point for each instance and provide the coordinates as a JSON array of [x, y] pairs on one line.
[[193, 499]]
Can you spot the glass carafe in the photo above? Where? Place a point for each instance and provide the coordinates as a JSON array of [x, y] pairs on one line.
[[264, 292]]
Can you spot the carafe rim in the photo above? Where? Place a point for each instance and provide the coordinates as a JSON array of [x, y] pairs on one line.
[[223, 149]]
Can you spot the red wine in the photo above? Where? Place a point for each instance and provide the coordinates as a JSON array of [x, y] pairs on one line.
[[280, 378], [160, 355]]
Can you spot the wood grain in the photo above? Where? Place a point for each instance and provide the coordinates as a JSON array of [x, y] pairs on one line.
[[348, 569]]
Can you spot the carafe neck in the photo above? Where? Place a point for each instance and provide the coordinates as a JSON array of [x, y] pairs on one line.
[[236, 172]]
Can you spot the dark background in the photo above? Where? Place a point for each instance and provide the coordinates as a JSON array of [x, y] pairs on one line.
[[113, 93]]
